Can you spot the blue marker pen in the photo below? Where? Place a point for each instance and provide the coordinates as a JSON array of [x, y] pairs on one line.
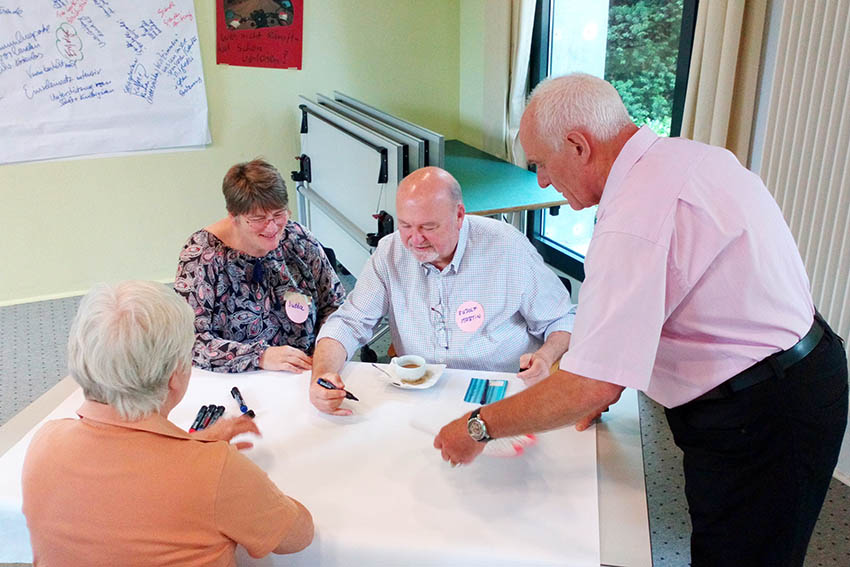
[[237, 395]]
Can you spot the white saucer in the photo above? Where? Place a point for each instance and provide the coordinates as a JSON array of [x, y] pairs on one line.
[[432, 372]]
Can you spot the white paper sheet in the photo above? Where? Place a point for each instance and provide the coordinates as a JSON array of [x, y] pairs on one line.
[[378, 491], [82, 77]]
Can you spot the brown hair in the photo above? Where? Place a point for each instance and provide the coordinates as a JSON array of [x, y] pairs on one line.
[[254, 186]]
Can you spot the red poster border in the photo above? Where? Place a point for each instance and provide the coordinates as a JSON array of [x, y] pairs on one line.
[[278, 47]]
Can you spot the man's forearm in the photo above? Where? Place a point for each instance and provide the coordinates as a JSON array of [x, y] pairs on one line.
[[555, 346], [560, 400], [329, 357]]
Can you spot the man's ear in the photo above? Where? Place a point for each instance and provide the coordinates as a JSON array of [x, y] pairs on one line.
[[461, 211], [578, 146]]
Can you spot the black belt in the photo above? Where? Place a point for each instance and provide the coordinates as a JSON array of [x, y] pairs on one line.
[[773, 365]]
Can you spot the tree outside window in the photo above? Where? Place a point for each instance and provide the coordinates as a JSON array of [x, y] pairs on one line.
[[634, 44]]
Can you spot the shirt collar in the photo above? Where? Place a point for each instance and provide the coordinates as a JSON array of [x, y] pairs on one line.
[[631, 153], [106, 414], [462, 237]]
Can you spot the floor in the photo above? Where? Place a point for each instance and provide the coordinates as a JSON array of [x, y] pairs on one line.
[[32, 360]]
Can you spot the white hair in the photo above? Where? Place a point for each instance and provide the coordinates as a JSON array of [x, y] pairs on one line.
[[454, 189], [125, 343], [577, 100]]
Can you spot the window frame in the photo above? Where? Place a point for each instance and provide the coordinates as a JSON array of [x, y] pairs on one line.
[[557, 255]]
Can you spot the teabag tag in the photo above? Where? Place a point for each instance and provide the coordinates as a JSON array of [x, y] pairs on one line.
[[509, 446]]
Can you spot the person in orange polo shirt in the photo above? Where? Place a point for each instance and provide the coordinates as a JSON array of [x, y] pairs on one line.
[[123, 485]]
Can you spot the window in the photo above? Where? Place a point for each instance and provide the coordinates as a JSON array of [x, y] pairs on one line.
[[643, 48]]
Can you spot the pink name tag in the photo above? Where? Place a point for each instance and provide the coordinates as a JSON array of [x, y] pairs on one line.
[[469, 316], [297, 307]]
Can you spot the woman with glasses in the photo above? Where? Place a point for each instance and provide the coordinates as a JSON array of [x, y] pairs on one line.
[[260, 284]]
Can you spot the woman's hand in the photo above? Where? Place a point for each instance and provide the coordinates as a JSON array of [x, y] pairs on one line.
[[228, 428], [285, 358]]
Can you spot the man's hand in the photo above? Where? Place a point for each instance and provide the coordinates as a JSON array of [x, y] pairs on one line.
[[325, 400], [285, 358], [590, 418], [534, 368], [455, 444], [228, 428]]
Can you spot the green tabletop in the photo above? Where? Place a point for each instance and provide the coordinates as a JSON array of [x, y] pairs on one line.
[[491, 185]]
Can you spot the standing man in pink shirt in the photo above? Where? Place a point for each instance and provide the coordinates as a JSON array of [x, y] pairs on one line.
[[695, 293]]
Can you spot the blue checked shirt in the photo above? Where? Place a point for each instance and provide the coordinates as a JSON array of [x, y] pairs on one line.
[[494, 265]]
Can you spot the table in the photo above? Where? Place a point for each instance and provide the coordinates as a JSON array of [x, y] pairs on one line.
[[491, 185], [393, 484]]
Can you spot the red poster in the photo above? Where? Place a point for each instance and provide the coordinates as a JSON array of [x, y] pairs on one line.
[[260, 33]]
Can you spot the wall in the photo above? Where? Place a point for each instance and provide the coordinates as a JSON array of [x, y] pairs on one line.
[[484, 64], [65, 225]]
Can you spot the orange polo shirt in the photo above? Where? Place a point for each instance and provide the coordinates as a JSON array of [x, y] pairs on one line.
[[103, 491]]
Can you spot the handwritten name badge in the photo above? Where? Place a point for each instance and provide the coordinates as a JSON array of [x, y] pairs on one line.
[[469, 316], [297, 306]]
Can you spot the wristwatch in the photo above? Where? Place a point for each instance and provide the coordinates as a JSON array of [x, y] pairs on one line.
[[476, 427]]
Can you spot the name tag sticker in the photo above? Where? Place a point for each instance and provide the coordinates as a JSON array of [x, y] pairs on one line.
[[297, 306], [469, 316]]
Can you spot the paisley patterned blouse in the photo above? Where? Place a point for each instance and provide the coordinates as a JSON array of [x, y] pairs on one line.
[[241, 302]]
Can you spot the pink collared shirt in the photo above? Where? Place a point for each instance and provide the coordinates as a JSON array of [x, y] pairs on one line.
[[692, 274]]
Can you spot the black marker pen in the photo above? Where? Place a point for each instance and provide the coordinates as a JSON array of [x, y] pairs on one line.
[[208, 416], [217, 413], [329, 386], [198, 419]]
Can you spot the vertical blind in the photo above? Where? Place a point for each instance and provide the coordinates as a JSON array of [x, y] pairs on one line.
[[807, 145]]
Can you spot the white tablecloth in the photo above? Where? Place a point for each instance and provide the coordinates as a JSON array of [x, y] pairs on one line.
[[378, 491]]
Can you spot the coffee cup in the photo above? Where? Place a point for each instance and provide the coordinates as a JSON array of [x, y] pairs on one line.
[[408, 367]]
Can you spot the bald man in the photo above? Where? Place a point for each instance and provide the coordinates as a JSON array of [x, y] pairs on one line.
[[438, 263]]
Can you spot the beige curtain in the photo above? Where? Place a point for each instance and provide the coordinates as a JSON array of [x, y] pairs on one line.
[[723, 80], [522, 25]]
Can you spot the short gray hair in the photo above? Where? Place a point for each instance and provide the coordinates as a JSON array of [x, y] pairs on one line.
[[453, 187], [577, 100], [125, 343]]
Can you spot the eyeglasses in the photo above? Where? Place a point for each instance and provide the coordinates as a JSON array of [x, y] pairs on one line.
[[260, 222], [439, 322]]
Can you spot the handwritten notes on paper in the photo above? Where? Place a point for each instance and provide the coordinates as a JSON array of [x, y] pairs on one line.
[[82, 77], [260, 33]]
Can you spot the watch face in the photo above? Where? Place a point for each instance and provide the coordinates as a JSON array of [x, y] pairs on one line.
[[476, 430]]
